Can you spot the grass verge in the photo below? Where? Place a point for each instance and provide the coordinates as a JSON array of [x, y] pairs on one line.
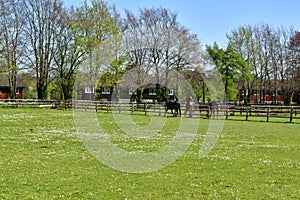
[[41, 157]]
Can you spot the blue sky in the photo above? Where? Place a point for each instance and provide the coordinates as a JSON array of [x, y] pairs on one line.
[[212, 19]]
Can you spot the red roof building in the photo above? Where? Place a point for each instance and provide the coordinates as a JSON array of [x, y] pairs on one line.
[[5, 89]]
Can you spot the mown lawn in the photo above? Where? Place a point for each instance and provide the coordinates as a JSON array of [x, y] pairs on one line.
[[42, 157]]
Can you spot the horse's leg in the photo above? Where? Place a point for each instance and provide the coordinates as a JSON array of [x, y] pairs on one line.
[[175, 112], [166, 111], [177, 108]]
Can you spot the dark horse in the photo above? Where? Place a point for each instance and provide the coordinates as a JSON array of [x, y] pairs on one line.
[[172, 105]]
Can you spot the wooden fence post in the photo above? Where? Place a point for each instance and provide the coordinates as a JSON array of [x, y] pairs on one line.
[[247, 112], [75, 105], [226, 111], [132, 107], [268, 114], [159, 110], [145, 108], [291, 114]]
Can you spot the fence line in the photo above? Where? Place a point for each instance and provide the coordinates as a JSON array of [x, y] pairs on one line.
[[200, 110], [27, 102]]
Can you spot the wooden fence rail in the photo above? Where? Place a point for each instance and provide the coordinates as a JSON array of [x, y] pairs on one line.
[[27, 102], [200, 110]]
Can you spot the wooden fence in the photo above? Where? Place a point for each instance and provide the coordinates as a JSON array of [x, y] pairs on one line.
[[27, 103], [200, 110], [264, 111]]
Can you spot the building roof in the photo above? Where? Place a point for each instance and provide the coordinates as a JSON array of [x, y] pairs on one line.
[[5, 83]]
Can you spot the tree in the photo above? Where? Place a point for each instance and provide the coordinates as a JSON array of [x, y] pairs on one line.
[[12, 22], [294, 66], [95, 25], [241, 40], [196, 79], [230, 65], [159, 44], [137, 44], [267, 51], [68, 54], [40, 33], [283, 63], [117, 64]]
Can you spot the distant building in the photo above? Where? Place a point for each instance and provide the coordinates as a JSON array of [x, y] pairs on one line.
[[149, 93], [87, 92], [5, 89], [267, 95]]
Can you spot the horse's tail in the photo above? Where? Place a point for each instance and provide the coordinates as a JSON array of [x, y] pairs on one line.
[[179, 109]]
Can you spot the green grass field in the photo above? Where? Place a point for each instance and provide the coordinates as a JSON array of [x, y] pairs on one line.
[[42, 157]]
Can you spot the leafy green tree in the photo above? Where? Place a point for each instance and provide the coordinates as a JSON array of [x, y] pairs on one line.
[[95, 25], [161, 92], [196, 79], [243, 42], [112, 77], [231, 66], [116, 58]]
